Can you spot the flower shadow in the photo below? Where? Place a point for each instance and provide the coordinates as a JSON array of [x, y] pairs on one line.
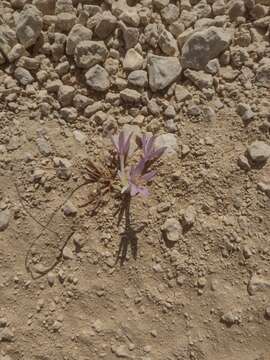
[[128, 238]]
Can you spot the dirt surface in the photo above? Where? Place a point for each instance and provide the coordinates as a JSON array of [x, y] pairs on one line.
[[76, 284]]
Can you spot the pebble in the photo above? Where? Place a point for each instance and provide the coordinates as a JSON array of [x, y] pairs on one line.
[[70, 209], [5, 216], [29, 25], [172, 229], [162, 71], [259, 151], [257, 284], [97, 78], [43, 146]]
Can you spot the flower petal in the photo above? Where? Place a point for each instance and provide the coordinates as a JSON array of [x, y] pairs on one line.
[[149, 176], [127, 144], [134, 189], [121, 142], [143, 191]]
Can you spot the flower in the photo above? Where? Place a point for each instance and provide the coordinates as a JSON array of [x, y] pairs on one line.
[[150, 153], [121, 143], [137, 180]]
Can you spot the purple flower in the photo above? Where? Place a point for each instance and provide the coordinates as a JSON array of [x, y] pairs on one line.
[[137, 179], [121, 143], [150, 153]]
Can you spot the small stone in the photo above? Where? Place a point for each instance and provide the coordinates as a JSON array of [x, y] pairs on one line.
[[203, 46], [259, 151], [70, 209], [66, 94], [120, 351], [243, 163], [51, 278], [172, 229], [189, 216], [170, 112], [170, 13], [169, 141], [65, 22], [236, 9], [168, 43], [138, 78], [69, 114], [130, 35], [97, 78], [106, 25], [162, 71], [245, 112], [199, 79], [160, 4], [130, 96], [77, 33], [258, 284], [267, 312], [29, 25], [81, 101], [16, 52], [43, 146], [230, 318], [181, 93], [67, 253], [212, 67], [263, 73], [98, 325], [132, 61], [4, 219], [63, 168], [80, 136], [23, 76], [6, 335], [89, 53]]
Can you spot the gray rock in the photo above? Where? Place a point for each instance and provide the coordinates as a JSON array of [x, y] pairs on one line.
[[138, 78], [23, 76], [4, 219], [66, 94], [29, 26], [169, 141], [97, 78], [168, 43], [65, 21], [236, 8], [7, 39], [245, 112], [106, 25], [258, 284], [132, 60], [263, 74], [70, 209], [130, 35], [130, 96], [172, 229], [181, 93], [199, 78], [162, 71], [69, 114], [212, 67], [43, 146], [259, 151], [89, 53], [77, 33], [160, 4], [47, 7], [170, 13], [203, 46]]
